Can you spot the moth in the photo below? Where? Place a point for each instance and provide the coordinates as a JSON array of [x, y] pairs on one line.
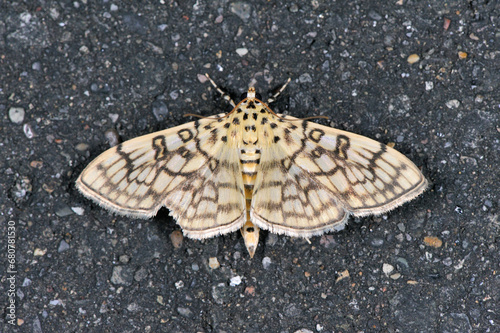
[[252, 169]]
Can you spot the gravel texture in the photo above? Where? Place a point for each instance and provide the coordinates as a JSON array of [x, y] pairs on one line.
[[76, 76]]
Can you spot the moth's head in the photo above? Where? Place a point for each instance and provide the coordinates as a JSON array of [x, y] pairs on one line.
[[251, 95]]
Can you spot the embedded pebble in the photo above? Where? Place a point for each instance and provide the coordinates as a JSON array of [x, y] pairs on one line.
[[114, 117], [202, 78], [82, 147], [185, 312], [39, 252], [36, 66], [342, 275], [219, 293], [241, 9], [374, 15], [293, 8], [122, 276], [271, 240], [16, 115], [112, 137], [328, 241], [453, 104], [26, 282], [174, 95], [160, 110], [219, 19], [377, 242], [132, 307], [305, 78], [124, 258], [387, 268], [28, 131], [36, 164], [446, 23], [213, 263], [242, 51], [266, 262], [21, 189], [140, 274], [179, 284], [37, 326], [63, 246], [56, 302], [250, 290], [176, 237], [433, 241], [413, 58], [63, 210], [403, 262], [235, 281], [78, 210]]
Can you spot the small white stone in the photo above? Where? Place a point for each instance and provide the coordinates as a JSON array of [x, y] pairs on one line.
[[266, 262], [113, 117], [84, 49], [235, 281], [387, 268], [78, 210], [28, 131], [16, 115], [453, 104], [242, 51], [179, 284], [429, 85], [39, 252]]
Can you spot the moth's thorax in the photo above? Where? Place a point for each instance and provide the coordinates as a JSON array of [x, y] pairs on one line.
[[250, 125]]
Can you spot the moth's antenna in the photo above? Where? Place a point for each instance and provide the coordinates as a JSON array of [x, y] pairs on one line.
[[224, 95], [205, 117], [273, 97]]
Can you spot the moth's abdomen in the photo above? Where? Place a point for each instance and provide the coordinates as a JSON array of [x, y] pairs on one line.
[[249, 159]]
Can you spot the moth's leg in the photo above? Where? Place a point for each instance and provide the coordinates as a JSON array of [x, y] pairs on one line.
[[223, 94], [273, 97]]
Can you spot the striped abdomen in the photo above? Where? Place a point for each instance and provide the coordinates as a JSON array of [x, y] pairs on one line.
[[249, 159]]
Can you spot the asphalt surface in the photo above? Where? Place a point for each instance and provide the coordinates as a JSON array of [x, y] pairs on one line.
[[74, 74]]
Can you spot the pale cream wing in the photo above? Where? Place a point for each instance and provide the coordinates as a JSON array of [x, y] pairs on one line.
[[368, 176], [355, 174], [187, 169], [288, 200]]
